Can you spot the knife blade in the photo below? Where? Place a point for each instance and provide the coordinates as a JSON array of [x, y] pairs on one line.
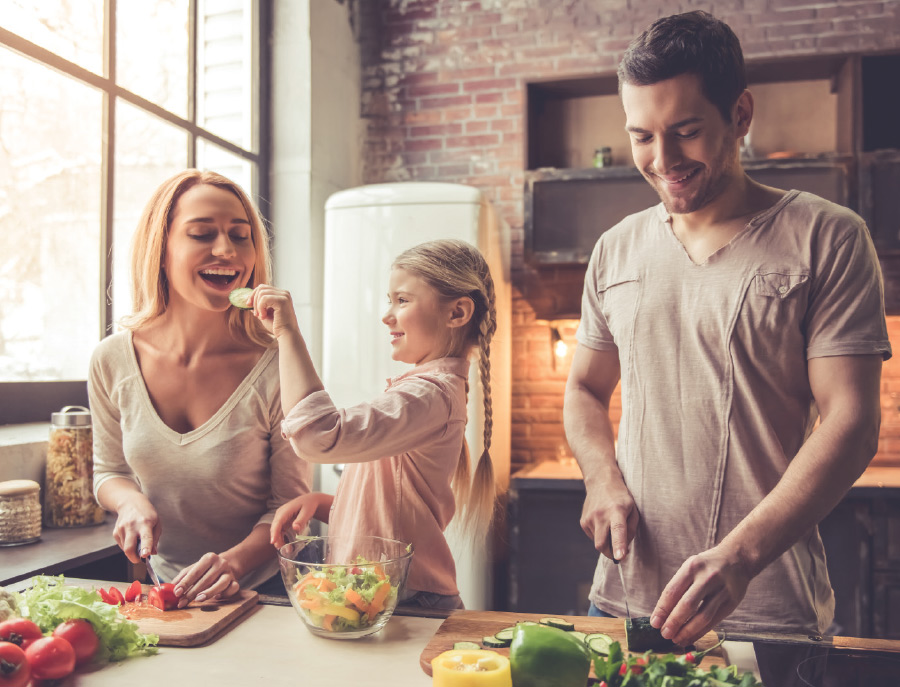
[[624, 588], [150, 570]]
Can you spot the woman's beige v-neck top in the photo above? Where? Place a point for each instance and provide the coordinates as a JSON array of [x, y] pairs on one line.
[[715, 394], [210, 486]]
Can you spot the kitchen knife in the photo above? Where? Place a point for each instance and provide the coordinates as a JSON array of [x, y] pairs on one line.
[[624, 588], [150, 570]]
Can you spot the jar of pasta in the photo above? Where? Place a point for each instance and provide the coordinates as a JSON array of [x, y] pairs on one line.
[[68, 496], [20, 512]]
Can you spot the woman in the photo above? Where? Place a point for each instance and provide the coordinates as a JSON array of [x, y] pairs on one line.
[[186, 402]]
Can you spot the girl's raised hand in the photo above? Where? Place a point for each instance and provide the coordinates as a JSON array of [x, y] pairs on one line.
[[275, 309], [297, 513]]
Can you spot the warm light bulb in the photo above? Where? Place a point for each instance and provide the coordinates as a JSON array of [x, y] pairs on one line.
[[560, 349]]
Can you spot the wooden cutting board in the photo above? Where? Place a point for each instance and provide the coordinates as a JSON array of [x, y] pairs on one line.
[[471, 626], [193, 625]]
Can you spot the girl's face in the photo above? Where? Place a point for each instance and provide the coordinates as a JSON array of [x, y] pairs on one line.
[[418, 320], [209, 250]]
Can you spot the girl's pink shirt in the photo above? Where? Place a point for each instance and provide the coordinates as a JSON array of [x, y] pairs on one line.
[[401, 449]]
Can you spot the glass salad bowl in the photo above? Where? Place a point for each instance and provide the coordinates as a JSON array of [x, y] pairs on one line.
[[344, 587]]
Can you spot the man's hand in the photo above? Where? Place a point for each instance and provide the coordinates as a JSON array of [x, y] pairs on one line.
[[610, 517], [704, 591]]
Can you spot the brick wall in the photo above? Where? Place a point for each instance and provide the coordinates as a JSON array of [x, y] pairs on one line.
[[443, 94]]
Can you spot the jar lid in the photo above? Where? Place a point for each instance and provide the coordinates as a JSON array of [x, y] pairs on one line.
[[72, 416], [18, 487]]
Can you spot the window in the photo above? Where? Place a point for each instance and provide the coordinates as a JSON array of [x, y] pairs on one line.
[[100, 100]]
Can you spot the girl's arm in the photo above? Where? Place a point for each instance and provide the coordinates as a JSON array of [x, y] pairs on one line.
[[298, 375]]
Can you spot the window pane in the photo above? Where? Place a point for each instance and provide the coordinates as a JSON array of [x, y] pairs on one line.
[[226, 70], [216, 159], [50, 199], [73, 29], [152, 51], [148, 151]]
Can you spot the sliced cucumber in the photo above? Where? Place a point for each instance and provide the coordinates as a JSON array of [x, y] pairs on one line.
[[506, 634], [558, 623], [598, 643], [492, 642], [466, 645], [238, 298], [580, 636]]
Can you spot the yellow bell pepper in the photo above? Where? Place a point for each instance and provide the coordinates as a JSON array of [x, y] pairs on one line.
[[470, 668]]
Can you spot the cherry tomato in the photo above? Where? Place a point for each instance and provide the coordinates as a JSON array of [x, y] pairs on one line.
[[134, 592], [116, 596], [689, 657], [20, 631], [163, 597], [50, 658], [14, 668], [80, 634], [104, 595]]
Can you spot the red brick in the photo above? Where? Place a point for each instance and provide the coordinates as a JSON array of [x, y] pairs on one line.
[[432, 89], [417, 78], [504, 125], [470, 33], [436, 130], [440, 103], [457, 113], [477, 126], [452, 171], [482, 98], [489, 85], [424, 144], [467, 74], [486, 111], [428, 117]]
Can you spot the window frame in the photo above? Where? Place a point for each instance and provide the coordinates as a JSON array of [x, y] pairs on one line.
[[23, 402]]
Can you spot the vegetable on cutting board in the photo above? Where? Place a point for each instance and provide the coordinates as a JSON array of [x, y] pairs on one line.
[[468, 667], [640, 635], [546, 656]]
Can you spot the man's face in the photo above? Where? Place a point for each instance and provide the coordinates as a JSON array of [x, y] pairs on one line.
[[680, 143]]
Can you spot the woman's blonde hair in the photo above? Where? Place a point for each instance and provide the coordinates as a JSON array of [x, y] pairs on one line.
[[149, 285], [456, 269]]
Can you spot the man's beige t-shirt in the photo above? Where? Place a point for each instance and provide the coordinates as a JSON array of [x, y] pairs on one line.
[[715, 393]]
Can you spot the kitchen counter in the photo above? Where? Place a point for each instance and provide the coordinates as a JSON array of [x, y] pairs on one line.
[[271, 646]]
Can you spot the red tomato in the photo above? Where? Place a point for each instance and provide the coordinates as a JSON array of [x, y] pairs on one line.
[[104, 595], [20, 631], [50, 658], [14, 668], [134, 592], [116, 597], [163, 597], [80, 634]]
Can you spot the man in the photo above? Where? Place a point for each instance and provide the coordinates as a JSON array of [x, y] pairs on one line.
[[734, 314]]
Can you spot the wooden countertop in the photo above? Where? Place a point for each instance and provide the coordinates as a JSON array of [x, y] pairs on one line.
[[271, 646], [58, 550]]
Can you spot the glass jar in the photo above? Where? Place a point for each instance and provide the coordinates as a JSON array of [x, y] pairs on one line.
[[603, 157], [20, 512], [69, 497]]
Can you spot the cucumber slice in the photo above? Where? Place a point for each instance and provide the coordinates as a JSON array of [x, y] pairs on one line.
[[598, 643], [506, 634], [466, 645], [580, 636], [558, 623], [238, 298], [492, 642]]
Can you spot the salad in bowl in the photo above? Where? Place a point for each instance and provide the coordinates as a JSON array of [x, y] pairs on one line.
[[344, 587]]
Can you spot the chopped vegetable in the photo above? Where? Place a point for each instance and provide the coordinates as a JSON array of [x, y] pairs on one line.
[[50, 601], [465, 667], [239, 297], [558, 623], [163, 597], [642, 636], [7, 604], [545, 656], [354, 595], [465, 645], [134, 591]]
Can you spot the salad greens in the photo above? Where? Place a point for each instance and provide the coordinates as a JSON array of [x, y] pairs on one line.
[[665, 670], [50, 601], [345, 598]]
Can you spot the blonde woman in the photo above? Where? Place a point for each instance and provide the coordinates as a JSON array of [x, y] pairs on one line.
[[186, 402], [408, 463]]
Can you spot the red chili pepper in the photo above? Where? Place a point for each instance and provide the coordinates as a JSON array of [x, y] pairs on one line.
[[602, 684], [623, 669]]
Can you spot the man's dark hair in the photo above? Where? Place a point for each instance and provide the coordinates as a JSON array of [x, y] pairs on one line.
[[690, 43]]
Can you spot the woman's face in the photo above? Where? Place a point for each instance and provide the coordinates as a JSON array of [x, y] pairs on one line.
[[209, 250]]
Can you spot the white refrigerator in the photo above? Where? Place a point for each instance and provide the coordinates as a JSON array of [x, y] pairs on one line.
[[365, 229]]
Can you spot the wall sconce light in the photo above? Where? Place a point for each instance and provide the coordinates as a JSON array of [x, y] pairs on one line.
[[560, 349]]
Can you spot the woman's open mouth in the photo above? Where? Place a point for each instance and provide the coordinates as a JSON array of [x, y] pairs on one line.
[[220, 277]]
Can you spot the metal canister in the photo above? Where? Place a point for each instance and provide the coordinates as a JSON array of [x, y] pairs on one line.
[[69, 498], [20, 512], [603, 157]]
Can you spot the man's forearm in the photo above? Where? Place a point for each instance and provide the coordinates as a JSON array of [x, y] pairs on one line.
[[590, 435]]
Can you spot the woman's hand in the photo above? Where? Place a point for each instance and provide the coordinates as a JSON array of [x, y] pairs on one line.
[[275, 310], [300, 510], [212, 577], [137, 523]]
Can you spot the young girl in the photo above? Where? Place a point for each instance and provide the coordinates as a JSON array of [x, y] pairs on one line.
[[186, 407], [407, 447]]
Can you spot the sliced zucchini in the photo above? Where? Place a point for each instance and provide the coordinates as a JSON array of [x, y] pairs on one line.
[[506, 634], [238, 298], [466, 645], [492, 642], [598, 643], [642, 636], [558, 623], [580, 636]]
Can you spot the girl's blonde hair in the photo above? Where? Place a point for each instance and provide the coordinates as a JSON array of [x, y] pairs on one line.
[[456, 269], [149, 285]]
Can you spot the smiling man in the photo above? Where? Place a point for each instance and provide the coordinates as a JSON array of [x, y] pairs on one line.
[[736, 315]]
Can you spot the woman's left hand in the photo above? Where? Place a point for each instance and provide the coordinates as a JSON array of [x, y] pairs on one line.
[[212, 577]]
